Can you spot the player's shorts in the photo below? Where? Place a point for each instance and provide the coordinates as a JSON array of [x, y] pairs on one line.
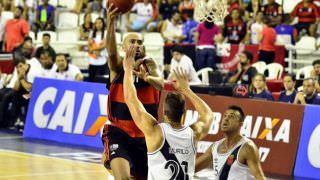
[[118, 143]]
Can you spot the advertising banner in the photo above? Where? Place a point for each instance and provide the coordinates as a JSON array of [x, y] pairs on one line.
[[274, 127], [67, 111], [308, 157]]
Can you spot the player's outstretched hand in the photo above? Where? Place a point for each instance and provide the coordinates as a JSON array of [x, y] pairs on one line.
[[112, 11], [128, 61], [182, 80]]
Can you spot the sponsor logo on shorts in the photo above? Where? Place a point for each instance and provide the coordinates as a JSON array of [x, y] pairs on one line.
[[113, 147]]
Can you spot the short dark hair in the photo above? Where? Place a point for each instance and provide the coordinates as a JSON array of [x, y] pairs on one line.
[[177, 49], [267, 20], [315, 62], [239, 109], [262, 75], [174, 106], [46, 34], [45, 52], [310, 78], [65, 55], [27, 38], [293, 77], [20, 60], [248, 54]]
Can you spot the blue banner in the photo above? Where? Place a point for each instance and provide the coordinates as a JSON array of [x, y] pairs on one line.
[[67, 111], [308, 157]]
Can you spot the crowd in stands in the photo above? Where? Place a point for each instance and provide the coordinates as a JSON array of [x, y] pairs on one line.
[[249, 22]]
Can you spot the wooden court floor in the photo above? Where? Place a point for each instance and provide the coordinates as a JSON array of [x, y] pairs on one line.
[[20, 165]]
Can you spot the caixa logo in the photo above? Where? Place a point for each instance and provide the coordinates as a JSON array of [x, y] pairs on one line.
[[314, 148], [251, 129], [64, 114]]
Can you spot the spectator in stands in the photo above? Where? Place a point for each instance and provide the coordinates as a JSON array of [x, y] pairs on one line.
[[167, 8], [289, 93], [24, 50], [189, 28], [44, 17], [309, 94], [97, 50], [144, 11], [86, 27], [22, 87], [45, 46], [4, 80], [6, 94], [235, 29], [171, 30], [252, 9], [46, 60], [186, 8], [245, 72], [65, 70], [286, 29], [274, 11], [7, 5], [260, 88], [206, 36], [267, 39], [256, 28], [180, 60], [308, 15], [234, 4], [315, 73], [15, 30], [28, 9], [95, 6]]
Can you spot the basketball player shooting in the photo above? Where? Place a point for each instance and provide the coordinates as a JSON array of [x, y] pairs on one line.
[[125, 151], [170, 145], [235, 156]]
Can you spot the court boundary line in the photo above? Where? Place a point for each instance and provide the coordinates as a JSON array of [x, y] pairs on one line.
[[51, 173], [48, 157]]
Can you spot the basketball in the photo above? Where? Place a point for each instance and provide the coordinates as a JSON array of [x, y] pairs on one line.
[[122, 5]]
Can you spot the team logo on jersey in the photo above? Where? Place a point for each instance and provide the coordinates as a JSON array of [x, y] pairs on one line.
[[230, 160], [113, 147]]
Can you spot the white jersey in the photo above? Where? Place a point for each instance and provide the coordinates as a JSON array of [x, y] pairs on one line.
[[175, 159], [237, 169]]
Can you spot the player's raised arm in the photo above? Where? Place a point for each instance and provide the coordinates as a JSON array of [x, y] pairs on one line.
[[201, 127]]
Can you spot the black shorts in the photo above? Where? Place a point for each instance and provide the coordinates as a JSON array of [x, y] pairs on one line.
[[267, 56], [118, 143], [300, 26]]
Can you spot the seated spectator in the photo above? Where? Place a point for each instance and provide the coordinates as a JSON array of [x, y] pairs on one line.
[[252, 9], [46, 60], [94, 6], [315, 73], [65, 70], [260, 88], [15, 31], [4, 80], [86, 27], [206, 35], [308, 15], [44, 17], [171, 30], [167, 8], [245, 72], [286, 29], [45, 46], [97, 50], [186, 8], [235, 29], [22, 87], [309, 94], [180, 60], [289, 93], [267, 39], [274, 11], [188, 29], [256, 28], [144, 11], [24, 50], [28, 9]]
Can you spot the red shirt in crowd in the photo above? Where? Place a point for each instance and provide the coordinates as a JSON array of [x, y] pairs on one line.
[[269, 36], [307, 14], [272, 10], [235, 31], [206, 36], [15, 31]]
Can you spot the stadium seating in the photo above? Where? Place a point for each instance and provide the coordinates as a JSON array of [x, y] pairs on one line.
[[67, 20], [260, 66], [275, 71], [5, 16], [203, 74], [305, 71]]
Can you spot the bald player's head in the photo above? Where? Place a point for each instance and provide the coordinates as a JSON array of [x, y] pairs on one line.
[[136, 40]]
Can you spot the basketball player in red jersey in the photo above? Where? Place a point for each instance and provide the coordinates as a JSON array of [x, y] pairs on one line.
[[125, 150]]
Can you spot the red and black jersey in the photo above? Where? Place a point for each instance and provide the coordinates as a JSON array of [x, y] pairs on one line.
[[235, 32], [306, 14], [272, 10], [118, 111]]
